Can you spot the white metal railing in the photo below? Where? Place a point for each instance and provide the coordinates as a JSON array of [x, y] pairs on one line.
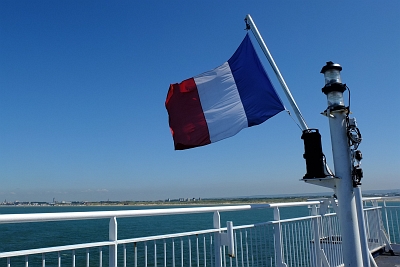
[[311, 240], [392, 221], [153, 250], [388, 215]]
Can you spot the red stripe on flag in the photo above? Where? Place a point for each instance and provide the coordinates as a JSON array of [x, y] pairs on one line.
[[186, 118]]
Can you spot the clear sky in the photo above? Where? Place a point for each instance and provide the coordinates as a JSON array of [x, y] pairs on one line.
[[83, 86]]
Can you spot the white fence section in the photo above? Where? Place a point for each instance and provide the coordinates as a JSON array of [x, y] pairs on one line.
[[392, 222], [310, 240]]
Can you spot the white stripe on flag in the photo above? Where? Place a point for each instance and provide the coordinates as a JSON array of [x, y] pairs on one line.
[[221, 103]]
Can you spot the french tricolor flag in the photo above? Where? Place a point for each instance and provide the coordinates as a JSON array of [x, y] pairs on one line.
[[219, 103]]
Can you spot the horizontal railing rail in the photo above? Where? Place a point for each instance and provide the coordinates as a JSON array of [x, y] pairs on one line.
[[54, 249], [65, 216]]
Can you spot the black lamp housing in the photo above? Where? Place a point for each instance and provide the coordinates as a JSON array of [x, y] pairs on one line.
[[333, 88]]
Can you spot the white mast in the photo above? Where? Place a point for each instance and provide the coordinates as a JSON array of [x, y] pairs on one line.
[[343, 181]]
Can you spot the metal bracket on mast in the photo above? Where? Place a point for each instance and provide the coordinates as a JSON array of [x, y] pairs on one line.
[[329, 181]]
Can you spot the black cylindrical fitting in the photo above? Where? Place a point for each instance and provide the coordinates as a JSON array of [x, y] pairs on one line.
[[313, 154]]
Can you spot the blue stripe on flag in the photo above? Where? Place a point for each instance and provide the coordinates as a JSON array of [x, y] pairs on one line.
[[260, 101]]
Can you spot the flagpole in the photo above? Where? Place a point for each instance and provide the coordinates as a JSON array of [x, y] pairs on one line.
[[253, 27]]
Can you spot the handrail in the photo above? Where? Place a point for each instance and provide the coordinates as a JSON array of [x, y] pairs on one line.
[[53, 249], [379, 198], [159, 237], [65, 216], [372, 208]]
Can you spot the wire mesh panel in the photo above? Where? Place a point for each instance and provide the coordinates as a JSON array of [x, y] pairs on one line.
[[303, 238], [254, 246], [192, 250], [373, 226], [392, 222], [331, 239], [296, 242], [78, 257]]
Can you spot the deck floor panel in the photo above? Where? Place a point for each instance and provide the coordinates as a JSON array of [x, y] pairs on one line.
[[387, 260]]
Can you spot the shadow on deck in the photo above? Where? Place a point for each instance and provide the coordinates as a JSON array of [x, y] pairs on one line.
[[387, 260]]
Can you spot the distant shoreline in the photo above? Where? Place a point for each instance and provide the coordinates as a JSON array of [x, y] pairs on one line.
[[142, 204], [202, 202]]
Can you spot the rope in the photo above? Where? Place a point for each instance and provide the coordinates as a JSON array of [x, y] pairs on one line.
[[290, 115]]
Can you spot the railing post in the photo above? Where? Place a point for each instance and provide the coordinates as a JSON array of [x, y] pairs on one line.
[[317, 238], [383, 237], [217, 240], [278, 239], [112, 234], [361, 227], [230, 239], [387, 221]]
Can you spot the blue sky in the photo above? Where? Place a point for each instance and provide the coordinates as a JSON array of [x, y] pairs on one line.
[[83, 85]]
